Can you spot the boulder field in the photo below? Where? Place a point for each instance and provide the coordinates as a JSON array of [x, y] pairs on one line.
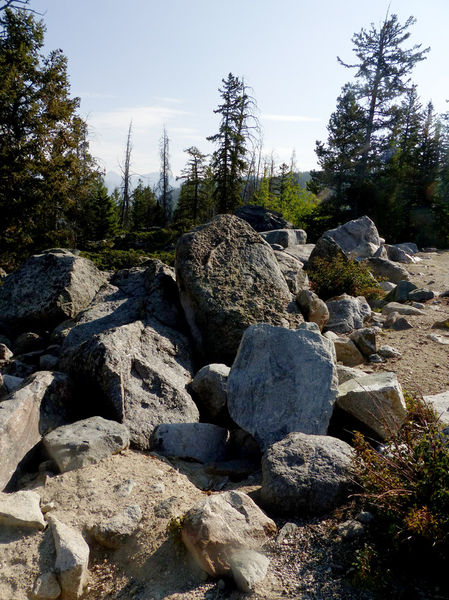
[[229, 364]]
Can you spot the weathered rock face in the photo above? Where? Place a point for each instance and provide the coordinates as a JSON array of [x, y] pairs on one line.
[[355, 238], [347, 352], [347, 313], [440, 404], [228, 279], [306, 474], [293, 271], [85, 442], [384, 268], [47, 289], [262, 219], [288, 375], [285, 237], [400, 292], [221, 524], [376, 401], [127, 346], [210, 385], [28, 413]]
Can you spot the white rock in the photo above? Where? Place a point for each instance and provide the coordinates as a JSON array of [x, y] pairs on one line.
[[248, 568], [21, 509]]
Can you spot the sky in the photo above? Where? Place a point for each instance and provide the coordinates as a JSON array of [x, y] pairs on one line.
[[160, 63]]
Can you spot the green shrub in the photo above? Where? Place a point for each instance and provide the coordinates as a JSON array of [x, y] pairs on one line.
[[338, 276], [407, 483]]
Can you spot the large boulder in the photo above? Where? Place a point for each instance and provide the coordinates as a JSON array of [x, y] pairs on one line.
[[221, 524], [309, 474], [202, 442], [129, 351], [382, 268], [289, 375], [355, 238], [228, 279], [262, 219], [376, 401], [85, 442], [347, 313], [47, 289], [285, 237], [27, 414]]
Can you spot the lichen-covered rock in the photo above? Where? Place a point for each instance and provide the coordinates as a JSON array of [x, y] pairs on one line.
[[228, 279], [285, 237], [306, 474], [288, 375], [347, 313], [210, 385], [130, 347], [47, 289]]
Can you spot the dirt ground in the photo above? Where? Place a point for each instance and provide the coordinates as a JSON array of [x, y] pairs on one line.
[[424, 364]]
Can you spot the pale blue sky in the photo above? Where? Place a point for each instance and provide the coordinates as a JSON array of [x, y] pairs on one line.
[[161, 62]]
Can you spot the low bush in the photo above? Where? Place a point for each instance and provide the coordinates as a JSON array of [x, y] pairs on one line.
[[406, 483], [114, 260], [329, 278]]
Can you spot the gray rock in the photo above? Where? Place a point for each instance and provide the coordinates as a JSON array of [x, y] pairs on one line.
[[354, 235], [440, 404], [365, 340], [351, 529], [130, 348], [47, 289], [401, 309], [440, 339], [262, 219], [347, 352], [421, 295], [401, 292], [387, 269], [203, 442], [306, 474], [285, 237], [301, 252], [409, 247], [21, 509], [85, 442], [312, 308], [326, 249], [396, 322], [248, 568], [117, 531], [296, 386], [28, 413], [346, 373], [46, 587], [387, 286], [389, 352], [375, 358], [210, 385], [219, 525], [347, 313], [228, 279], [11, 383], [398, 254], [48, 362], [376, 401], [27, 342], [293, 271], [72, 559]]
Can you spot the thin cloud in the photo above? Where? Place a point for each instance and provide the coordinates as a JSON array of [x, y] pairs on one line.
[[168, 100], [143, 117], [290, 118], [96, 95]]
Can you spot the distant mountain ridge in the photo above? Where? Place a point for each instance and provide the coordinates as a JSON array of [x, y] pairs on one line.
[[113, 180]]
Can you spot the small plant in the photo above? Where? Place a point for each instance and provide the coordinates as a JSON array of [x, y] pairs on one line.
[[174, 528], [407, 482], [338, 276]]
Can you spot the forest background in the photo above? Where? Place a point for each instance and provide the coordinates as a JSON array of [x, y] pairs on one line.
[[386, 155]]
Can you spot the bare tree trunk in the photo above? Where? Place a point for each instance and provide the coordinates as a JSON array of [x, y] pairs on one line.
[[124, 207]]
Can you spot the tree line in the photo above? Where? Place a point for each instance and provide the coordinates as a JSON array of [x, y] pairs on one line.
[[386, 155]]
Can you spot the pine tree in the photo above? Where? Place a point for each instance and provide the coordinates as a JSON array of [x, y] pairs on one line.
[[228, 160], [165, 189], [145, 211], [45, 167], [195, 203]]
